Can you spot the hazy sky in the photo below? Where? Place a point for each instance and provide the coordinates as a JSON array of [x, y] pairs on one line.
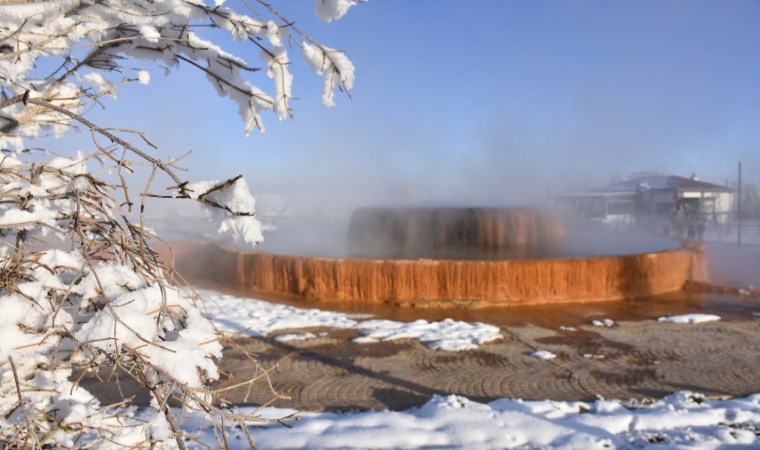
[[483, 102]]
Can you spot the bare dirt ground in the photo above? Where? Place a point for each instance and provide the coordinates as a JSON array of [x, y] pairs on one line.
[[643, 359]]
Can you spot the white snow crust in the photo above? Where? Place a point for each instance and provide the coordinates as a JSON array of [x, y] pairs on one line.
[[684, 420], [248, 316], [690, 318]]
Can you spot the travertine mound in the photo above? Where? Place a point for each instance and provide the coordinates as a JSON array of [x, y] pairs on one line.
[[425, 281], [452, 233]]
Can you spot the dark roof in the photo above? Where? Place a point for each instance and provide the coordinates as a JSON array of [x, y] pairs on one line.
[[662, 182]]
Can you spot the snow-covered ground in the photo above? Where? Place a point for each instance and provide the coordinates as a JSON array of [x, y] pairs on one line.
[[682, 420], [255, 318]]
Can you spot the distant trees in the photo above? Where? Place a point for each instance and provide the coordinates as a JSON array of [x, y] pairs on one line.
[[82, 290]]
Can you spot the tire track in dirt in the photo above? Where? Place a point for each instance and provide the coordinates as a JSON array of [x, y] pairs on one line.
[[643, 359], [629, 360]]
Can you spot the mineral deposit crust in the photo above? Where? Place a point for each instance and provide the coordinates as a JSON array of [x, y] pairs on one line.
[[483, 283]]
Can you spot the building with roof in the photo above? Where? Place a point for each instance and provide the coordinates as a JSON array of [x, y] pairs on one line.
[[647, 197]]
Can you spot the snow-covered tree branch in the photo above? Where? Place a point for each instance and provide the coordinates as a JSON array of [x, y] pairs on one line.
[[102, 301]]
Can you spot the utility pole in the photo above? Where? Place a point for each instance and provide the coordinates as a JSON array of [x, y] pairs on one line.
[[739, 208]]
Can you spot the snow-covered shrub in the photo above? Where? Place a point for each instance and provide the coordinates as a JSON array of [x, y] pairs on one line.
[[82, 289]]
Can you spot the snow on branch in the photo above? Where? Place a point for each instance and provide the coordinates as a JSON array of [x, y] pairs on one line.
[[329, 10], [107, 36], [229, 204], [336, 69]]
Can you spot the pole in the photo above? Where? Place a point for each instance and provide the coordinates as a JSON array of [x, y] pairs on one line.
[[739, 208]]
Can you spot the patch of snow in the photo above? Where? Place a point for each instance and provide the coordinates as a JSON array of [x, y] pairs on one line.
[[681, 420], [253, 317], [447, 334], [259, 318], [295, 337], [689, 318], [543, 354], [603, 323]]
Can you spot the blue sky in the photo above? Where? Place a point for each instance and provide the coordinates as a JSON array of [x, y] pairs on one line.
[[487, 102]]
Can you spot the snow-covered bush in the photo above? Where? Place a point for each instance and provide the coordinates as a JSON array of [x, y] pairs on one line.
[[82, 289]]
